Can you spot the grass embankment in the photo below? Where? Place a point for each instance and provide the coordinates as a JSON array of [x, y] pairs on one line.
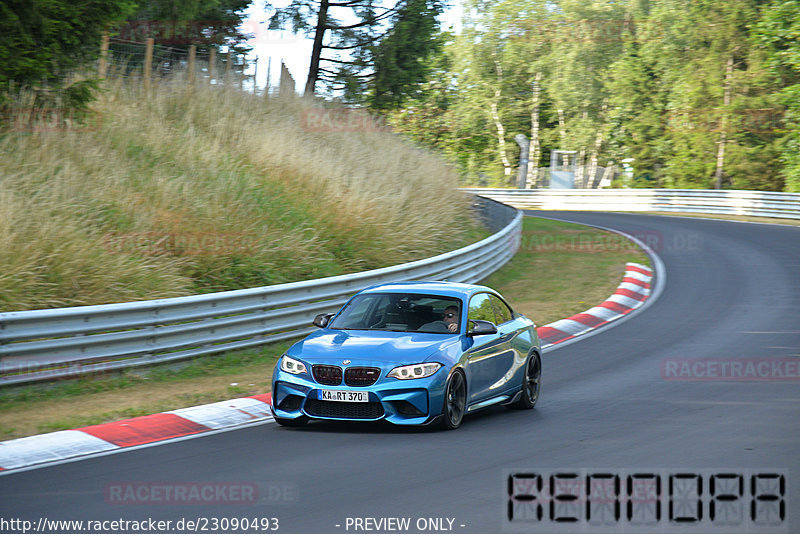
[[200, 189], [561, 269]]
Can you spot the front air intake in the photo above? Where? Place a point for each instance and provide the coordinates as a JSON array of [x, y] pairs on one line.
[[344, 410]]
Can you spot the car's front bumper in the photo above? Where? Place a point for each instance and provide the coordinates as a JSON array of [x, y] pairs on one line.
[[401, 402]]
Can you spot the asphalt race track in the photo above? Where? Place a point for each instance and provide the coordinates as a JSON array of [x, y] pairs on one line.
[[618, 402]]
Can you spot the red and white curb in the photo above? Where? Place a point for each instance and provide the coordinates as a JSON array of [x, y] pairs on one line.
[[67, 444], [140, 431], [630, 294]]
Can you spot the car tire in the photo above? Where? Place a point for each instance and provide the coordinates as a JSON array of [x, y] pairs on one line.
[[299, 421], [455, 401], [531, 383]]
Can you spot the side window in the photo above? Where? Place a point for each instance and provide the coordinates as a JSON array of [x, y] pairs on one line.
[[480, 308], [501, 311]]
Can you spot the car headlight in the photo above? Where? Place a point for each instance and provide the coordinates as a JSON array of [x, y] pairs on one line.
[[290, 365], [418, 370]]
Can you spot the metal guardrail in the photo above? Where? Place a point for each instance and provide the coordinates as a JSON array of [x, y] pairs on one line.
[[709, 201], [45, 344]]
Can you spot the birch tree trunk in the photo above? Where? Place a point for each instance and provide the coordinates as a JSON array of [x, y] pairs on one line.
[[562, 130], [501, 132], [598, 142], [535, 152], [723, 134], [608, 174]]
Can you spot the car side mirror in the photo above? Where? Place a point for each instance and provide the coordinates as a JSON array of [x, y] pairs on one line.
[[482, 328], [323, 319]]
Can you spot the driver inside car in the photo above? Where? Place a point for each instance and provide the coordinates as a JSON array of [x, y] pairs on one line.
[[448, 324]]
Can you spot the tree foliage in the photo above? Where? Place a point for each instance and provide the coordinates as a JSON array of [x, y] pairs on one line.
[[180, 23], [42, 41], [779, 32]]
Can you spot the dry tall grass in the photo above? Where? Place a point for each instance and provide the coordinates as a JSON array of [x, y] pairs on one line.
[[197, 189]]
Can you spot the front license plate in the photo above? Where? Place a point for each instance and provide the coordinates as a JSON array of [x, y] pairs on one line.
[[342, 396]]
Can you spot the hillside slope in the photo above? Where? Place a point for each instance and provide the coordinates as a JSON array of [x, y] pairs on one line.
[[199, 189]]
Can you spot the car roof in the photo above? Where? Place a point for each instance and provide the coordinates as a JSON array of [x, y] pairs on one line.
[[448, 289]]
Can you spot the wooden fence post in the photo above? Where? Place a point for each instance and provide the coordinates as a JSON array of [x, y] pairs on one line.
[[192, 54], [102, 65], [228, 68], [255, 77], [148, 63], [287, 85]]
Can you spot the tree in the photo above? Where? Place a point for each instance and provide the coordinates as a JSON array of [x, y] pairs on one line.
[[637, 111], [318, 17], [400, 58], [344, 54]]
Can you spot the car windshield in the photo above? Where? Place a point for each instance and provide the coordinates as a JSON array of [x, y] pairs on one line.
[[400, 312]]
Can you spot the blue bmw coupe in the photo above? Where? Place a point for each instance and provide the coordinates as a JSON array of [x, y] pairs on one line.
[[410, 353]]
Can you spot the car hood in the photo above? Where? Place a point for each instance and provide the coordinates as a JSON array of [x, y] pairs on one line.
[[375, 347]]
